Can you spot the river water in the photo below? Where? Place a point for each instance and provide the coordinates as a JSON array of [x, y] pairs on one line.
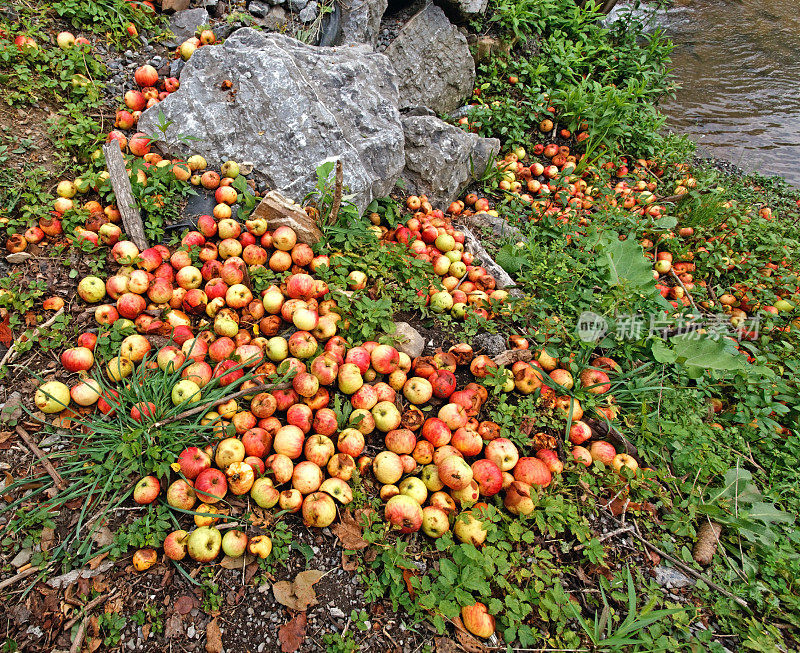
[[738, 65]]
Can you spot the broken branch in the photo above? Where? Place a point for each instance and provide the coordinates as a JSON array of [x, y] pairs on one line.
[[60, 484]]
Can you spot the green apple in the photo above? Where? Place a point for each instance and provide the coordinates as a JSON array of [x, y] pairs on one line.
[[185, 391]]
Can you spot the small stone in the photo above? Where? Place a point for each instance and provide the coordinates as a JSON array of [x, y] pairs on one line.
[[297, 5], [50, 440], [490, 344], [22, 557], [336, 613], [409, 341], [309, 13], [258, 9], [176, 67], [190, 631], [672, 578]]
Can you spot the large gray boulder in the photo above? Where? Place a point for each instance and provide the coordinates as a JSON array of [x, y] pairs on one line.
[[292, 108], [442, 160], [433, 61], [361, 21], [184, 24], [465, 9]]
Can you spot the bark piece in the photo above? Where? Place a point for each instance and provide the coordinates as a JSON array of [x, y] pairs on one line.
[[121, 184]]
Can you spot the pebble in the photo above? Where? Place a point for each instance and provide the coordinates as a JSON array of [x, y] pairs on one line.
[[490, 344], [191, 632], [258, 9], [22, 557], [260, 647], [671, 578], [176, 67], [336, 613], [297, 5], [128, 54], [309, 13], [50, 440]]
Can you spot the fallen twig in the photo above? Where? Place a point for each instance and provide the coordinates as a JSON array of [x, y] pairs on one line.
[[19, 576], [337, 194], [12, 352], [264, 387], [688, 294], [121, 185], [619, 531], [78, 641], [41, 455], [86, 608], [685, 568]]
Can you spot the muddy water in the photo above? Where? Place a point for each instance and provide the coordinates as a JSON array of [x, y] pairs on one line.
[[738, 63]]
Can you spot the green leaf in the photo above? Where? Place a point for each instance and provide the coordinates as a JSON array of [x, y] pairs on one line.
[[704, 353], [448, 570], [662, 353]]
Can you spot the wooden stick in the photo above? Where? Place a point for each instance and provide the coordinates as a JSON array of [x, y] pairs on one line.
[[20, 575], [60, 484], [337, 194], [86, 608], [689, 570], [12, 352], [121, 184], [678, 279], [78, 641], [264, 387]]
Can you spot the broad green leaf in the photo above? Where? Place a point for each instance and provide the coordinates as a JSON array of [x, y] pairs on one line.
[[702, 352]]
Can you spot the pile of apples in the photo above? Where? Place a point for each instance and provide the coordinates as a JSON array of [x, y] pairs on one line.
[[430, 236], [427, 460]]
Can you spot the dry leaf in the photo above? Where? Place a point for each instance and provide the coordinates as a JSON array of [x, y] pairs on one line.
[[349, 533], [48, 535], [407, 576], [173, 627], [236, 563], [470, 643], [292, 634], [184, 604], [349, 562], [6, 337], [298, 595], [213, 637], [445, 645], [94, 644], [466, 639], [103, 536], [94, 563], [250, 571]]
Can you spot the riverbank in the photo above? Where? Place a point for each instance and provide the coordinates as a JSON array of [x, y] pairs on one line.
[[688, 267]]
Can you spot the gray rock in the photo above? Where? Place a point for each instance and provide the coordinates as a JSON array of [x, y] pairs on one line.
[[258, 9], [309, 12], [429, 142], [672, 578], [409, 341], [465, 9], [22, 558], [490, 344], [295, 108], [503, 280], [336, 613], [433, 61], [361, 21], [497, 225], [276, 19], [297, 5], [175, 67], [184, 24]]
